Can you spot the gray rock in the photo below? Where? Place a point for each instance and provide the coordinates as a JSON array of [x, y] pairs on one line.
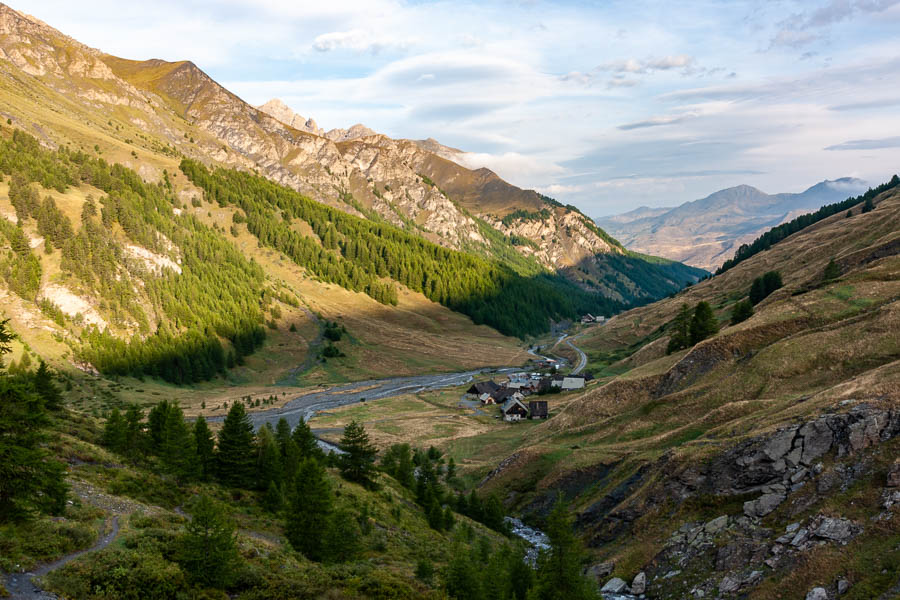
[[890, 497], [614, 586], [729, 585], [817, 439], [842, 586], [865, 433], [780, 444], [799, 475], [893, 476], [639, 585], [763, 505], [753, 578], [839, 530], [600, 571], [817, 593], [792, 458], [792, 528], [716, 525], [800, 538], [672, 574]]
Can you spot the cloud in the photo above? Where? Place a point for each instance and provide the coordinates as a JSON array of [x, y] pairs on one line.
[[795, 30], [359, 41], [664, 63], [654, 122], [876, 144], [883, 103]]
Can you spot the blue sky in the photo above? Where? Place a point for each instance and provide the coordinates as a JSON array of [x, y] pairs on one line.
[[606, 105]]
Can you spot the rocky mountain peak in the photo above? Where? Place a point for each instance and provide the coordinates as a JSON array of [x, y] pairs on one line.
[[345, 135], [277, 109]]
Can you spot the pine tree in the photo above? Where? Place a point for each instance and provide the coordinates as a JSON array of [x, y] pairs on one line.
[[358, 461], [205, 445], [680, 327], [757, 291], [46, 389], [868, 206], [311, 506], [703, 323], [342, 541], [156, 425], [741, 311], [236, 460], [30, 481], [114, 434], [208, 548], [460, 581], [306, 441], [177, 450], [268, 462], [832, 271], [135, 443], [290, 454], [559, 569]]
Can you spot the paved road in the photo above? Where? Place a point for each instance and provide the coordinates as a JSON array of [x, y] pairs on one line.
[[582, 357], [308, 405], [21, 586]]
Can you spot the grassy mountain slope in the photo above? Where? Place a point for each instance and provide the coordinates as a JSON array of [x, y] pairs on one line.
[[662, 445]]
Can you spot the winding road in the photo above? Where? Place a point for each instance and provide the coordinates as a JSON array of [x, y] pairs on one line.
[[21, 586], [582, 357]]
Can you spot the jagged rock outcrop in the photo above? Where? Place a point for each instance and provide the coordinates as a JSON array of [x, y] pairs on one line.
[[281, 111]]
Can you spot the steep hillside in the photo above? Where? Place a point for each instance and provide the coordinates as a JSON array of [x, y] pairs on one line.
[[66, 92], [758, 462], [704, 233]]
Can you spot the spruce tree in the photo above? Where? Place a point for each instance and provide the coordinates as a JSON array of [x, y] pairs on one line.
[[30, 480], [178, 451], [559, 569], [703, 323], [236, 460], [358, 461], [306, 441], [290, 453], [46, 388], [741, 311], [310, 509], [205, 445], [135, 438], [268, 462], [680, 336], [342, 541], [757, 291], [114, 434], [208, 549], [832, 271]]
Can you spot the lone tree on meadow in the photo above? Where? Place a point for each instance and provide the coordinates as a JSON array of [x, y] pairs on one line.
[[358, 462], [832, 271], [741, 311]]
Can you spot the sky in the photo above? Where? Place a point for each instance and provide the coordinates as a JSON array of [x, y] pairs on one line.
[[605, 105]]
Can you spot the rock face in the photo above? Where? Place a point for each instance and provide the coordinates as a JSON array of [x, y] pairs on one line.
[[281, 111], [738, 551]]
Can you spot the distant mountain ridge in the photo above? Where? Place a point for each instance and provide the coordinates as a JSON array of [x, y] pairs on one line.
[[706, 232]]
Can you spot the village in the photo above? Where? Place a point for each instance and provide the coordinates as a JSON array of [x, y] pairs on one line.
[[510, 395]]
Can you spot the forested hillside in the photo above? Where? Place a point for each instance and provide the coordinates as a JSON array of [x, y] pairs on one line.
[[169, 323], [359, 254]]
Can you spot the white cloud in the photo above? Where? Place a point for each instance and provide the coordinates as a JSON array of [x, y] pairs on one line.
[[360, 41]]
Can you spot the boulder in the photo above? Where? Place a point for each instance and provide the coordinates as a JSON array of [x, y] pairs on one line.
[[838, 530], [842, 586], [729, 585], [716, 525], [817, 593], [893, 476], [614, 586], [763, 505], [639, 585]]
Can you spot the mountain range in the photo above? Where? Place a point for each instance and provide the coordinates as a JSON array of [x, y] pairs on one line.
[[706, 232]]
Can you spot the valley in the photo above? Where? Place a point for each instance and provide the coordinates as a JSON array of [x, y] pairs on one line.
[[247, 357]]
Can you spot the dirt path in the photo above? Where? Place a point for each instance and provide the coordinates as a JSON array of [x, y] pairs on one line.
[[21, 586]]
